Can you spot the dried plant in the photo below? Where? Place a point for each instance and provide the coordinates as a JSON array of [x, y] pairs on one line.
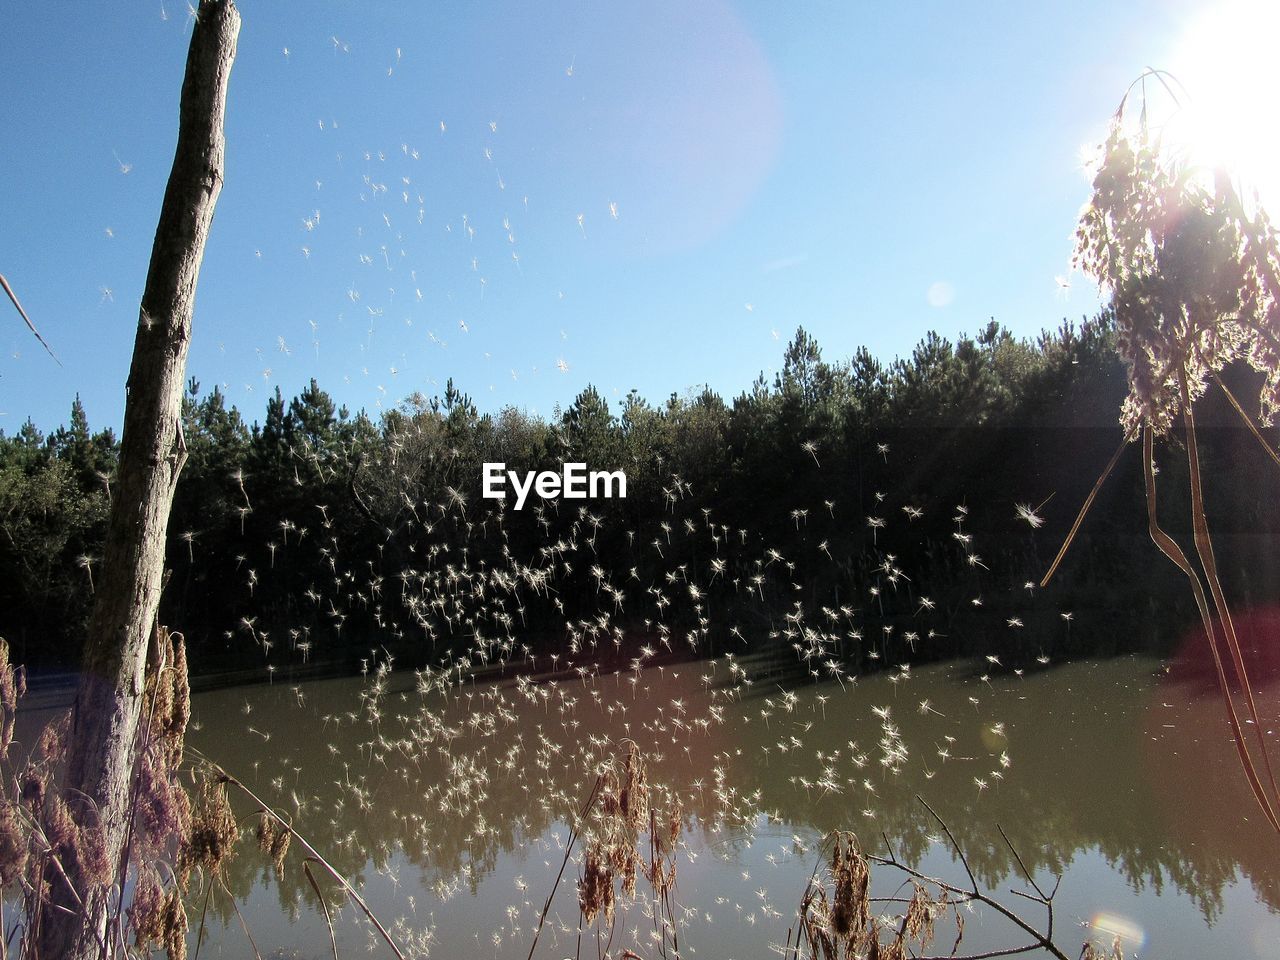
[[617, 818], [174, 837], [1193, 273], [837, 917]]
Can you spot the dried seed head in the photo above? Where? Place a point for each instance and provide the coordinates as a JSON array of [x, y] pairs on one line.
[[14, 844], [8, 697], [918, 922], [146, 912], [214, 831], [75, 844], [157, 817], [59, 828], [181, 714], [266, 832], [31, 788], [175, 926], [279, 847], [168, 694], [273, 839], [851, 906], [91, 850], [895, 949], [633, 798], [595, 888], [52, 745]]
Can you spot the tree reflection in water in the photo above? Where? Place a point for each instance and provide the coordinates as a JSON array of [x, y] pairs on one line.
[[435, 796]]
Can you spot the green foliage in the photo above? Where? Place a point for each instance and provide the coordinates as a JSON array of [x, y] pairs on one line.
[[305, 532], [53, 512]]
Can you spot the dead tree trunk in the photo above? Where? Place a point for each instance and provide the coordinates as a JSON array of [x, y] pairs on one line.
[[105, 717]]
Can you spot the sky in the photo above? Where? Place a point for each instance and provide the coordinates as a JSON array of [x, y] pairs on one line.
[[529, 198]]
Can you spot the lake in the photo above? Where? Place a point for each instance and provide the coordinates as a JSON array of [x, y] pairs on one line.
[[447, 803]]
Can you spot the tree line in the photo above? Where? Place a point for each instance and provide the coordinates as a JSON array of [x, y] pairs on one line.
[[315, 535]]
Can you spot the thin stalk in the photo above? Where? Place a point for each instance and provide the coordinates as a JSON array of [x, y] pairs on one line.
[[1170, 549], [204, 910], [1204, 548], [333, 941], [1248, 421], [240, 916], [568, 850], [1088, 502], [313, 854]]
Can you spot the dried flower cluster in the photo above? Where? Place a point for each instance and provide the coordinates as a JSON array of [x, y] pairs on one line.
[[162, 807], [163, 814], [1194, 277], [47, 837], [42, 839], [158, 917], [14, 836], [613, 858], [273, 839], [612, 854], [214, 830], [1091, 951], [837, 921], [13, 685]]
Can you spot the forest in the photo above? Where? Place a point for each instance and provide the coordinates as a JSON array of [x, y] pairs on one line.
[[295, 539]]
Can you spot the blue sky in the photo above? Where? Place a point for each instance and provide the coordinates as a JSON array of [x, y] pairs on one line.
[[740, 168]]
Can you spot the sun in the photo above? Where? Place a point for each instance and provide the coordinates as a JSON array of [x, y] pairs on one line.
[[1228, 64]]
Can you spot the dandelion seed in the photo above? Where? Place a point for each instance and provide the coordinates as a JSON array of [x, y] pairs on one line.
[[876, 524], [1025, 512]]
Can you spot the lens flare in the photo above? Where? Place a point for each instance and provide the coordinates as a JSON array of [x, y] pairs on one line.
[[1108, 926]]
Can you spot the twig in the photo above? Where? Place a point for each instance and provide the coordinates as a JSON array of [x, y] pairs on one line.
[[947, 830], [1025, 872], [1043, 941]]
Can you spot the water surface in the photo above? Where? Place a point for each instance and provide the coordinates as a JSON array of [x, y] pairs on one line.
[[448, 808]]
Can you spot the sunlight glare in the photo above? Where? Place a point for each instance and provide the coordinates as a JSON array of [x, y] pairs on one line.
[[1226, 61]]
